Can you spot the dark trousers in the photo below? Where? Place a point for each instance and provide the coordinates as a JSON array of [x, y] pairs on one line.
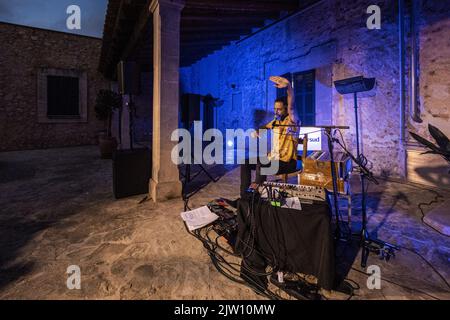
[[246, 172]]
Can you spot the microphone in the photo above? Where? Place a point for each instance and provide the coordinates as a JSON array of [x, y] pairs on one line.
[[275, 119], [271, 123]]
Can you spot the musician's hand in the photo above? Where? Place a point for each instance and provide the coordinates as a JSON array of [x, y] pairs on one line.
[[254, 186], [280, 82]]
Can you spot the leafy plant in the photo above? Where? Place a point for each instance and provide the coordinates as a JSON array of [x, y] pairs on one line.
[[105, 104], [442, 147]]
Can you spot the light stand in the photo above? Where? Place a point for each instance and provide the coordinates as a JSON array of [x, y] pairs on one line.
[[384, 249], [189, 177]]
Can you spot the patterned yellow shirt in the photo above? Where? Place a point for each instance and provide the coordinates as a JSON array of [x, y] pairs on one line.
[[284, 139]]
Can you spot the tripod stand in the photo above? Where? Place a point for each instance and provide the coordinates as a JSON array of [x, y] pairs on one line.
[[368, 244], [188, 177], [384, 249], [334, 179]]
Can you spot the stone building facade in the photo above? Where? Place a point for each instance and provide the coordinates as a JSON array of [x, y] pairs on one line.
[[332, 38], [28, 56]]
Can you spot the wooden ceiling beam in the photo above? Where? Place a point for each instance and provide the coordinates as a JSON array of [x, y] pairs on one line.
[[145, 18], [206, 26], [194, 15], [214, 28], [243, 6], [234, 19], [205, 43], [186, 37]]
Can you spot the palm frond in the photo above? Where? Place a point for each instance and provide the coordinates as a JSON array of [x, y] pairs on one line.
[[425, 142], [441, 139]]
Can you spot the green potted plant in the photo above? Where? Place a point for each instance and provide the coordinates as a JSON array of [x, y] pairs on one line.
[[105, 104]]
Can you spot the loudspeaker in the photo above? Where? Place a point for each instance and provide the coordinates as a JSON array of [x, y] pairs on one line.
[[355, 84], [131, 172], [190, 109], [128, 77]]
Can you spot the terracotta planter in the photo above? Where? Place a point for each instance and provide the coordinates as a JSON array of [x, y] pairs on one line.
[[107, 146]]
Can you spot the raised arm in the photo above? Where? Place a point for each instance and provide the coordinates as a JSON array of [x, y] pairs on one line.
[[281, 82], [291, 103]]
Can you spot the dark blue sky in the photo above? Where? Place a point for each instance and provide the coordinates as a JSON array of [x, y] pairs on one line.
[[51, 14]]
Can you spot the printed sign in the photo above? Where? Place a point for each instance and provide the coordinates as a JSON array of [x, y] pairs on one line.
[[314, 138]]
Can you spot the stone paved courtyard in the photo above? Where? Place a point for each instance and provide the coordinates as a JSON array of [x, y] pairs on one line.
[[57, 210]]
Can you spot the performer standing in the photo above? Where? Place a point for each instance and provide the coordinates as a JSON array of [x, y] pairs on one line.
[[286, 130]]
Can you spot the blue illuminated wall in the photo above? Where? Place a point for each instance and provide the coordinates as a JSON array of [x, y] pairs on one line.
[[331, 38]]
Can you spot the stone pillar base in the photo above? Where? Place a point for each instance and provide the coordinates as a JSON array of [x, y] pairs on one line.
[[162, 191]]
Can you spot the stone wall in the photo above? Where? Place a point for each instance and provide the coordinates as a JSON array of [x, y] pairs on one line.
[[434, 67], [433, 41], [332, 38], [24, 51]]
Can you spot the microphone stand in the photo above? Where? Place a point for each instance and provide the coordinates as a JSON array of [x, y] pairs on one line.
[[334, 179], [368, 244], [384, 249]]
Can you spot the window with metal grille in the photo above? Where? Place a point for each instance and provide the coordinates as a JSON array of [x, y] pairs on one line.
[[304, 90], [305, 104], [63, 97]]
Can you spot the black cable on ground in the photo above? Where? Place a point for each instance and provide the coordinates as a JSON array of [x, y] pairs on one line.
[[230, 269], [352, 289], [224, 267], [429, 264], [411, 289], [400, 285], [435, 200]]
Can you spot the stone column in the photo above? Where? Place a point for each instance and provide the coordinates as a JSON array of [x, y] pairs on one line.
[[165, 183]]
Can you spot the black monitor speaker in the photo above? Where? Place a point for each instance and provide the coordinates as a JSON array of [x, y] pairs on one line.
[[355, 84], [131, 172]]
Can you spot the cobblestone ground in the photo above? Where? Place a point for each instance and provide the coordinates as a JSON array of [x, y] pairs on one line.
[[57, 210]]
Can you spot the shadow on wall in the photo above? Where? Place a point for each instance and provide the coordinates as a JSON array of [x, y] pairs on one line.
[[437, 176], [260, 117]]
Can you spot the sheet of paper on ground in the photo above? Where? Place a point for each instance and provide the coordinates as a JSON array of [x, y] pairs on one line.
[[198, 218]]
